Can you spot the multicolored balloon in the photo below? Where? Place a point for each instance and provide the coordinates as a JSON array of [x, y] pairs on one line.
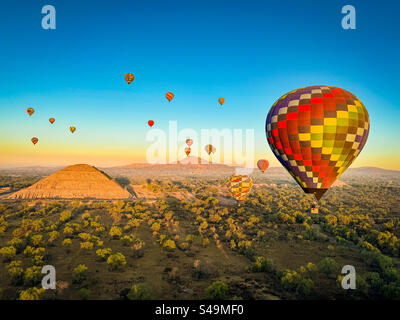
[[240, 186], [169, 96], [262, 164], [52, 120], [72, 129], [187, 151], [150, 123], [34, 140], [221, 101], [210, 148], [189, 142], [30, 111], [316, 133], [129, 77]]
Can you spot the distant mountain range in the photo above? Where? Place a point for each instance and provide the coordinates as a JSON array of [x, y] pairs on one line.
[[192, 166]]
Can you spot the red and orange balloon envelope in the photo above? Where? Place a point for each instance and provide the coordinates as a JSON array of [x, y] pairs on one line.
[[52, 120], [221, 101], [30, 111], [262, 165], [129, 77], [209, 148], [189, 142], [72, 129], [316, 133], [169, 96], [34, 140], [187, 151], [150, 123]]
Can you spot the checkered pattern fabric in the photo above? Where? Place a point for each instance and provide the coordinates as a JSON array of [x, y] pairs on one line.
[[240, 186], [316, 133]]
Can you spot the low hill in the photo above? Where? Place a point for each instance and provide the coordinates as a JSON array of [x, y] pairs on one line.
[[79, 181]]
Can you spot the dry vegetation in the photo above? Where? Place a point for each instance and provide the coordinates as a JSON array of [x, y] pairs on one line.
[[201, 246]]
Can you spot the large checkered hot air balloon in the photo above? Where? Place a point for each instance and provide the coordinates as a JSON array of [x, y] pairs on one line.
[[316, 133]]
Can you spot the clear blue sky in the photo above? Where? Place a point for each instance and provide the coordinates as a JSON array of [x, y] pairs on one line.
[[250, 52]]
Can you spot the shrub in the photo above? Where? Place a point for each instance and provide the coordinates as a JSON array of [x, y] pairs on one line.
[[79, 274], [155, 226], [84, 293], [116, 261], [8, 252], [65, 215], [328, 266], [217, 290], [36, 240], [33, 275], [115, 232], [169, 245], [32, 294], [87, 245], [67, 242], [18, 244], [263, 265], [139, 291], [16, 272], [126, 240], [104, 253]]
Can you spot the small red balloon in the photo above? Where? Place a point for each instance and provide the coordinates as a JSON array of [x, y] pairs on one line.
[[150, 123]]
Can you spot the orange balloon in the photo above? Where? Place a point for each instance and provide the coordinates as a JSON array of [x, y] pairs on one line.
[[30, 111], [187, 151], [34, 140], [189, 142], [52, 120], [221, 101], [262, 165], [209, 148], [129, 77], [72, 129], [169, 96]]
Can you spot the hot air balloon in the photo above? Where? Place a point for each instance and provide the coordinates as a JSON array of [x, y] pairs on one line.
[[187, 151], [209, 148], [316, 133], [150, 123], [52, 120], [221, 101], [189, 142], [240, 186], [34, 140], [169, 96], [72, 129], [262, 165], [30, 111], [129, 77]]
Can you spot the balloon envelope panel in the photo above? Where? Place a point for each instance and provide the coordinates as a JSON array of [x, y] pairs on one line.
[[316, 133]]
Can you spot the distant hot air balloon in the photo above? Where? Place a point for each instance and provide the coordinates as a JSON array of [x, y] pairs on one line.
[[150, 123], [316, 133], [72, 129], [30, 111], [189, 142], [209, 148], [52, 120], [221, 101], [262, 164], [129, 77], [34, 140], [240, 186], [187, 151], [169, 96]]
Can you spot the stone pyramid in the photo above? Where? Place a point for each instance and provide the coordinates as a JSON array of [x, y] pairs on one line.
[[79, 181]]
